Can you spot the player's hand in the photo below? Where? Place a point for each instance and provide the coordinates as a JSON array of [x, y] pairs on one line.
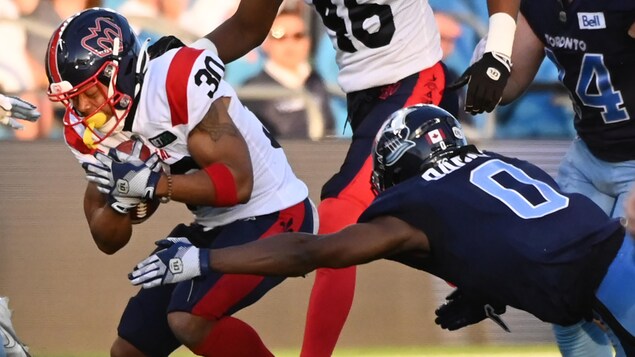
[[178, 261], [122, 175], [460, 311], [12, 108], [486, 79]]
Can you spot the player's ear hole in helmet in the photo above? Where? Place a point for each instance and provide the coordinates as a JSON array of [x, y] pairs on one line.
[[95, 48], [411, 140]]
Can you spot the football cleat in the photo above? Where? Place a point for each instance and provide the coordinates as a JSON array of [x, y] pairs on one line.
[[11, 344]]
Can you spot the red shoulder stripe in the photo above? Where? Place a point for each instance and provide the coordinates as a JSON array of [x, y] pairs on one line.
[[176, 83]]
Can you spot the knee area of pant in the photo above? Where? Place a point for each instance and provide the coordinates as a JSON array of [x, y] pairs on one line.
[[189, 329]]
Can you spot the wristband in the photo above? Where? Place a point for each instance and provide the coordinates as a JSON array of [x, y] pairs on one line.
[[500, 36], [224, 185], [203, 259]]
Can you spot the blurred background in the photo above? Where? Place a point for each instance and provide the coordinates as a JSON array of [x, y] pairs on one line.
[[68, 296]]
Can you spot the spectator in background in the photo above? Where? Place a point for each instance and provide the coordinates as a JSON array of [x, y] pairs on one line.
[[287, 66], [205, 15], [152, 18]]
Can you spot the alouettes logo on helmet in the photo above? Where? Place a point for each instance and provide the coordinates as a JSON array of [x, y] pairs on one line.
[[395, 136], [101, 40]]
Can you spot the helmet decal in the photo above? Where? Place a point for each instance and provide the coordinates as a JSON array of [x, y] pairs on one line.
[[396, 134], [101, 40], [434, 136]]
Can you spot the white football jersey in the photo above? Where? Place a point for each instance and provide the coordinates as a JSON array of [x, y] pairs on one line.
[[178, 90], [379, 42]]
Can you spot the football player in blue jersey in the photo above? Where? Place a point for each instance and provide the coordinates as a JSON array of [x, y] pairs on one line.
[[389, 57], [498, 228], [592, 44]]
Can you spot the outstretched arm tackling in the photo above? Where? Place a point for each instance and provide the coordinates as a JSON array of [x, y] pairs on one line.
[[286, 254]]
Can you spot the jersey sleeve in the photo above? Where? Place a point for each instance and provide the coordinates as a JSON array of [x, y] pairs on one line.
[[177, 91], [193, 82]]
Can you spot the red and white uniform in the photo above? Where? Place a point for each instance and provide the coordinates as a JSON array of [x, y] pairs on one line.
[[371, 36], [178, 90]]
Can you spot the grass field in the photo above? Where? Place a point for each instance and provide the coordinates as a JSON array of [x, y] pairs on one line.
[[464, 351]]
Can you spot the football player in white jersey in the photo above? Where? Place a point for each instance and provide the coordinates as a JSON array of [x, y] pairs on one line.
[[210, 152], [389, 57]]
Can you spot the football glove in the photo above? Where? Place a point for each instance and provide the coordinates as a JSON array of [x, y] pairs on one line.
[[460, 311], [163, 45], [125, 178], [178, 261], [486, 79], [12, 108]]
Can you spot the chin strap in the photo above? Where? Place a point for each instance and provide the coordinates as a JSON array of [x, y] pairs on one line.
[[142, 65]]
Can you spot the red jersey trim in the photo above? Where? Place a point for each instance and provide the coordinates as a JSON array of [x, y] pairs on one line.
[[176, 83]]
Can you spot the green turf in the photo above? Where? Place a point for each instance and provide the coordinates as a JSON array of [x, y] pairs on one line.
[[433, 351]]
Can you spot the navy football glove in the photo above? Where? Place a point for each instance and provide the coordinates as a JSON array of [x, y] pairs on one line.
[[486, 79], [178, 261], [460, 311]]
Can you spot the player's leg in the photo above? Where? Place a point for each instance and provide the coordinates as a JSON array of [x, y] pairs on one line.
[[616, 296], [578, 173], [605, 183], [620, 177], [200, 313], [347, 194], [143, 329]]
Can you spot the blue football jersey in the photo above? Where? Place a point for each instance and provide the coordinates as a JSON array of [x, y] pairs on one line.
[[499, 228], [589, 43]]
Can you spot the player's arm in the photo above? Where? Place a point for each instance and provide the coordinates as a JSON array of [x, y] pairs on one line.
[[226, 175], [509, 7], [245, 30], [486, 77], [527, 55], [286, 254], [110, 229], [295, 254]]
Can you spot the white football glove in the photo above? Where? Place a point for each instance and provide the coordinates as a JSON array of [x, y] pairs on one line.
[[12, 108], [178, 261]]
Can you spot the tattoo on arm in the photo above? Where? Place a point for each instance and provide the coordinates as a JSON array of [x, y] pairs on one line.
[[217, 123]]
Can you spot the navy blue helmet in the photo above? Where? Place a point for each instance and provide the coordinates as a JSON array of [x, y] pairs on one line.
[[94, 46], [411, 140]]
